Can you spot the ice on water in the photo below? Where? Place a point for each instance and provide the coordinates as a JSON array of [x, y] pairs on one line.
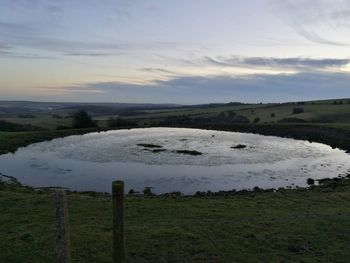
[[93, 161]]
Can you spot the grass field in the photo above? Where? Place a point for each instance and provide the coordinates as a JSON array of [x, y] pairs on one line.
[[319, 113], [314, 112], [286, 226], [45, 121]]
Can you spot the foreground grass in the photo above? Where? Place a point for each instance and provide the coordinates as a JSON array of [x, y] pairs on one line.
[[286, 226]]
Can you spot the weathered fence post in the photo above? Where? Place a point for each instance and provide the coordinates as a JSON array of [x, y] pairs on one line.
[[118, 222], [62, 236]]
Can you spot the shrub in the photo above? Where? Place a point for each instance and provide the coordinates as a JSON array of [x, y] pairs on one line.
[[82, 119], [297, 110], [310, 181], [291, 120], [63, 127], [240, 119], [256, 120], [15, 127], [26, 116], [118, 122], [231, 114]]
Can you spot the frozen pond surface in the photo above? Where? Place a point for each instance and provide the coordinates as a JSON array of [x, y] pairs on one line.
[[149, 158]]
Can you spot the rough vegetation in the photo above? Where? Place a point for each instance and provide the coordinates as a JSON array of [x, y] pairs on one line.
[[284, 226], [6, 126], [82, 120]]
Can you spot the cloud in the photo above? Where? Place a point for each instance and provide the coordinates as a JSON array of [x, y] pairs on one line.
[[17, 55], [296, 63], [319, 21], [190, 90], [63, 27], [157, 70], [71, 90], [7, 51], [30, 37]]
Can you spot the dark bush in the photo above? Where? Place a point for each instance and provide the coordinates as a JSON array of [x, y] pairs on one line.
[[231, 114], [82, 119], [56, 116], [15, 127], [241, 119], [256, 120], [298, 110], [62, 127], [291, 120], [26, 116], [119, 122], [310, 181]]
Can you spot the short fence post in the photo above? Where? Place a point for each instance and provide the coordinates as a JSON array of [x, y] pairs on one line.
[[62, 236], [118, 222]]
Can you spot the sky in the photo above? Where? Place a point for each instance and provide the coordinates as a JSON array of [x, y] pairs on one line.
[[183, 51]]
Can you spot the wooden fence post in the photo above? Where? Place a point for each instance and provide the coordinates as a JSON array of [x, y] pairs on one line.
[[62, 236], [118, 222]]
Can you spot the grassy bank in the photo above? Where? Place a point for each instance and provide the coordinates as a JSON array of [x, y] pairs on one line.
[[286, 226]]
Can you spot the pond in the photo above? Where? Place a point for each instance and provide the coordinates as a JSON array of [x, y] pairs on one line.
[[173, 159]]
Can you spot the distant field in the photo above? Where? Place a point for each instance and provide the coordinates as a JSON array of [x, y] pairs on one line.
[[270, 113], [327, 111], [45, 121]]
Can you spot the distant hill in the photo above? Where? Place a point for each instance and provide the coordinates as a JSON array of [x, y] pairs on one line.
[[17, 107]]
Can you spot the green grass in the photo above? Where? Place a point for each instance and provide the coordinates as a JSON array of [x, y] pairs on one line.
[[287, 226], [45, 121], [322, 112]]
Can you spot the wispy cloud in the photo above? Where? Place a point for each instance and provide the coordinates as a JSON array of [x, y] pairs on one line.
[[300, 64], [253, 88], [157, 70], [9, 52], [316, 20], [71, 90]]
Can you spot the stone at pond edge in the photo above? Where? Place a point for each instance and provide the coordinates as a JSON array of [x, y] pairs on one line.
[[239, 146]]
